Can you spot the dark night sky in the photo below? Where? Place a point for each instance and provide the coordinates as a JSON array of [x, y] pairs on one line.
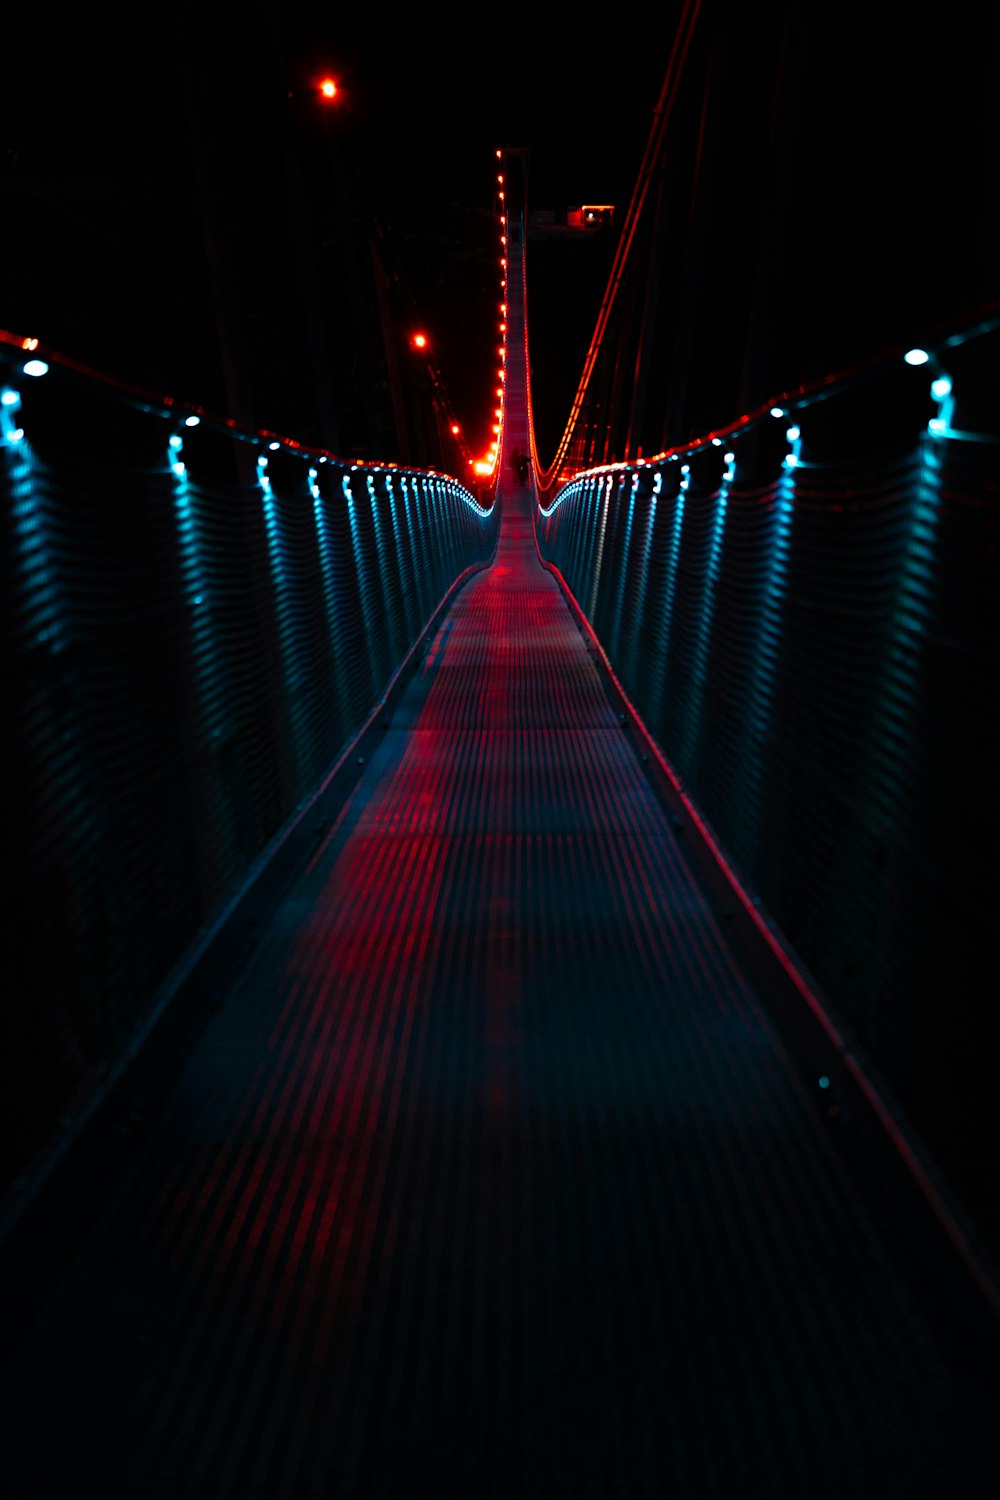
[[97, 167], [889, 215]]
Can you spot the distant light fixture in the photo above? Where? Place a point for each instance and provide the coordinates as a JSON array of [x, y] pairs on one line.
[[916, 356], [192, 421], [793, 434], [328, 88], [36, 367], [939, 388], [274, 446], [419, 341], [777, 411]]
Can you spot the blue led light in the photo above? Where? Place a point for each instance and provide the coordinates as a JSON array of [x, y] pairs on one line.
[[793, 434], [824, 1082], [191, 421], [777, 411], [941, 388], [10, 402], [36, 367], [176, 442], [916, 356]]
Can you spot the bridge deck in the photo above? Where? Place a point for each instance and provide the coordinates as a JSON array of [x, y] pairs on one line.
[[491, 1177]]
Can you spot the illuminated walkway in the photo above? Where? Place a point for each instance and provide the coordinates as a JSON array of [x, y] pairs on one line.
[[491, 1178]]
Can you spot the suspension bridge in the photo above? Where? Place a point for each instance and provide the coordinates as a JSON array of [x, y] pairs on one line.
[[499, 964]]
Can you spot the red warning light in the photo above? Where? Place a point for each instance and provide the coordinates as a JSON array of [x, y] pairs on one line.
[[328, 88]]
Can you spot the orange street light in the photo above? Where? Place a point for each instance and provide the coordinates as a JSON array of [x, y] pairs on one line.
[[419, 341], [328, 88]]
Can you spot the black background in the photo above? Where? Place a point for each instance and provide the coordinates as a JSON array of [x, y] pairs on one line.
[[167, 178]]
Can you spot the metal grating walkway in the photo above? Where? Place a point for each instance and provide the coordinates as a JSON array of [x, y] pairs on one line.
[[491, 1177]]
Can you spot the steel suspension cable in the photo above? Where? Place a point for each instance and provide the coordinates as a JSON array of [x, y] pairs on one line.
[[661, 116]]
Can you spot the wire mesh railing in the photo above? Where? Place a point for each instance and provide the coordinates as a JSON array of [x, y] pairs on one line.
[[805, 611], [199, 623]]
